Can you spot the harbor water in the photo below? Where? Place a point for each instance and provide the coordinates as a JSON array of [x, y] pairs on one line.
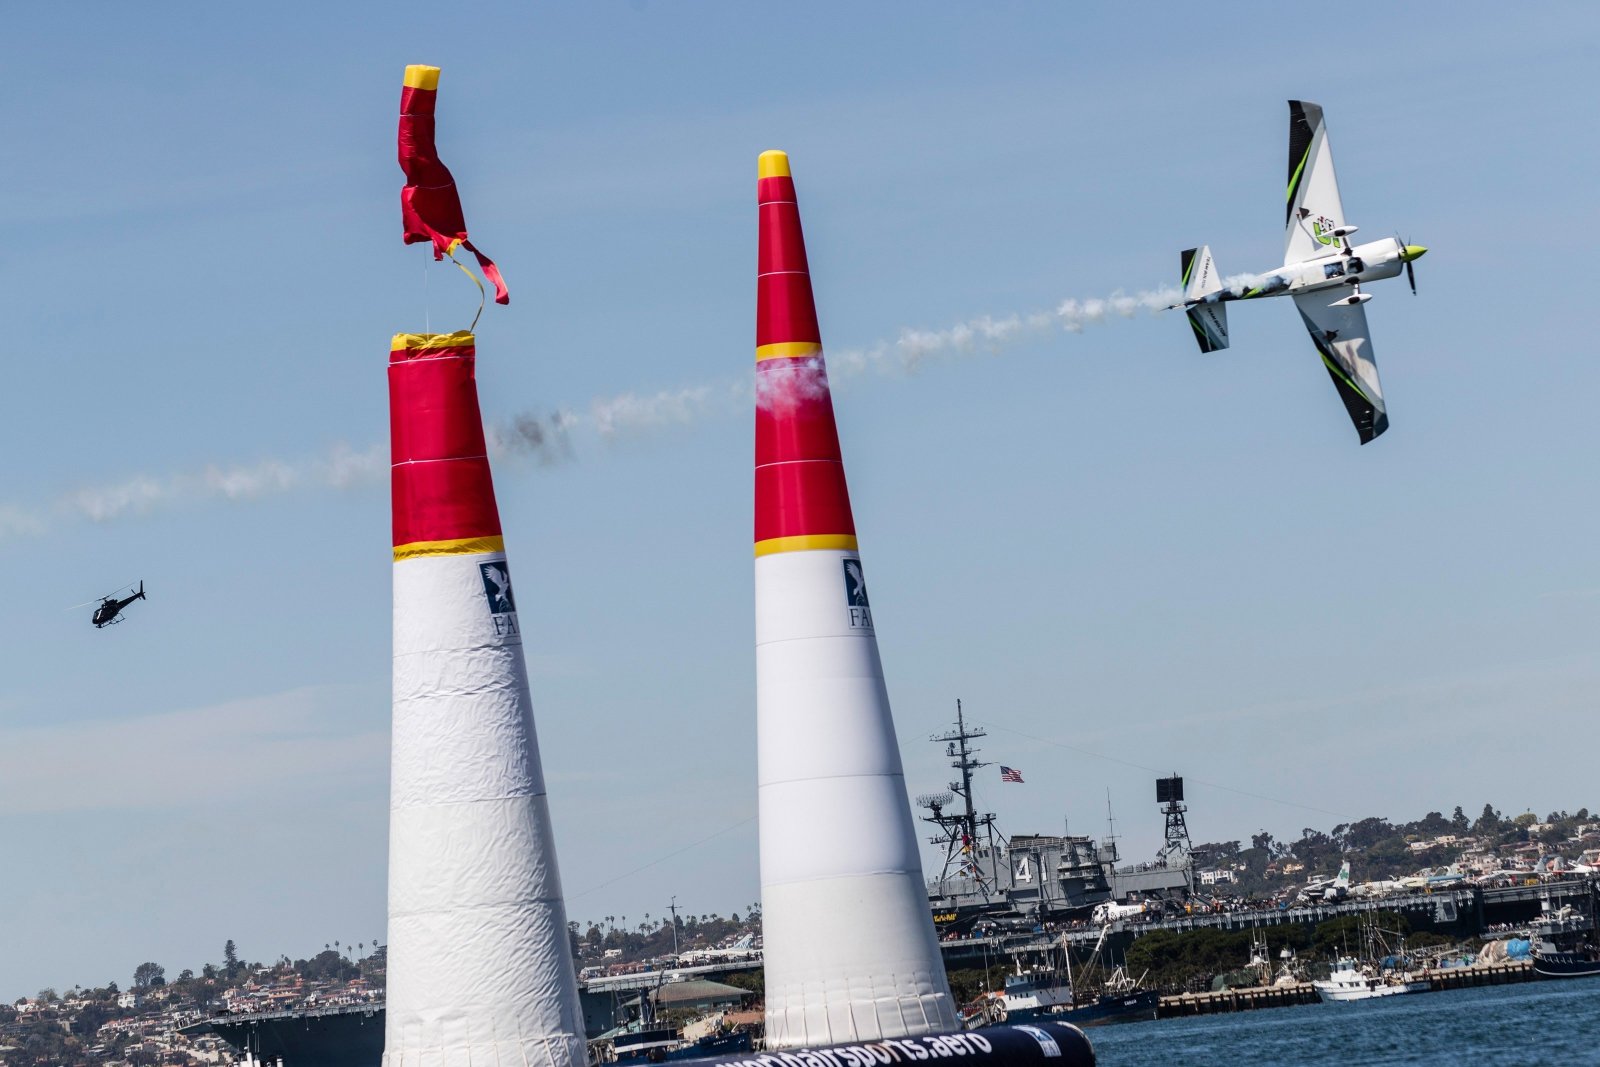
[[1532, 1024]]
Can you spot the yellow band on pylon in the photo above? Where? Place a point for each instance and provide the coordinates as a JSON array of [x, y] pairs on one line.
[[412, 341], [421, 76], [787, 349], [462, 546], [804, 543]]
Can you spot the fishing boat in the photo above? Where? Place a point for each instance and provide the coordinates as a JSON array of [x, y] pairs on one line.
[[1353, 979], [1564, 940], [1380, 974], [1575, 963], [1121, 999], [667, 1044], [1050, 992]]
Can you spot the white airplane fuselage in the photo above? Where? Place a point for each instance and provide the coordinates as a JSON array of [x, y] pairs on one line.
[[1338, 274], [1111, 912]]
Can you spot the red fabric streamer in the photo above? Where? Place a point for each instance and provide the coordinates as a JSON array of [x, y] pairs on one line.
[[430, 206]]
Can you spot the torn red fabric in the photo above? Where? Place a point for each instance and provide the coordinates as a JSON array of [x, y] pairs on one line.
[[430, 207]]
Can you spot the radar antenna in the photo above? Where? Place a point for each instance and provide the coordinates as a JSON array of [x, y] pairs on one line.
[[1169, 791], [961, 831]]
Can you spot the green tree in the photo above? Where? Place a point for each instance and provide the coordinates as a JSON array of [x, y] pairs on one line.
[[230, 958], [754, 981], [1433, 823], [148, 974]]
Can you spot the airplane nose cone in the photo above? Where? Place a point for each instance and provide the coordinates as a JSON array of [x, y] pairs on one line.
[[1411, 252]]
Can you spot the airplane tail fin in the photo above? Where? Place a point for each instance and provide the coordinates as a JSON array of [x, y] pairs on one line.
[[1200, 280], [141, 589]]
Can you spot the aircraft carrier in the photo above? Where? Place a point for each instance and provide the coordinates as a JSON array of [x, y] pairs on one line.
[[989, 878]]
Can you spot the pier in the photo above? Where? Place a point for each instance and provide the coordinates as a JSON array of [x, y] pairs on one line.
[[1250, 998], [1230, 1000], [1480, 974]]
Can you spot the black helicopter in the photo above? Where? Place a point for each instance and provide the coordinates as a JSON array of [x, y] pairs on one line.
[[110, 608]]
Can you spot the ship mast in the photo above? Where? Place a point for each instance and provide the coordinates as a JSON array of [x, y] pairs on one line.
[[960, 831]]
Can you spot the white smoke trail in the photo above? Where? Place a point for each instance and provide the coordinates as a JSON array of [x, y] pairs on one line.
[[984, 335], [547, 438], [19, 522], [1238, 283], [988, 335], [780, 385], [341, 468]]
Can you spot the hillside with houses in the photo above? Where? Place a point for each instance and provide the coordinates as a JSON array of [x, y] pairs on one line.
[[1491, 849], [139, 1025]]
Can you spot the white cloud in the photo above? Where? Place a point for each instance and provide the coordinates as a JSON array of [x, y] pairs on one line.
[[156, 761]]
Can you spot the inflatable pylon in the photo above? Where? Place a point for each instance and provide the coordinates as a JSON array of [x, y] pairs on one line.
[[480, 967], [849, 944]]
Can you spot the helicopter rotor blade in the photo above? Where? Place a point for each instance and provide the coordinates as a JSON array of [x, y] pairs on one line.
[[101, 600]]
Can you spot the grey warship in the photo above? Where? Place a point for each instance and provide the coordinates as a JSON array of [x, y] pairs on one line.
[[991, 880]]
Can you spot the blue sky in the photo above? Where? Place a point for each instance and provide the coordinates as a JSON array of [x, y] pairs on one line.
[[1101, 539]]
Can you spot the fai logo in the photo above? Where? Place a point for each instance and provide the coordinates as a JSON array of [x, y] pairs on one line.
[[1047, 1044], [1322, 229], [497, 591], [855, 596]]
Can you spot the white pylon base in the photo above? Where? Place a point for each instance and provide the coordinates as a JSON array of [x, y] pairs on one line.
[[479, 965], [838, 976], [848, 942]]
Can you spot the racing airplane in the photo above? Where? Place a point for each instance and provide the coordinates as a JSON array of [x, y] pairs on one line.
[[1321, 270]]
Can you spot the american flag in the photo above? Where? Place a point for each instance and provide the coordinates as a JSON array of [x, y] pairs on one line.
[[1010, 774]]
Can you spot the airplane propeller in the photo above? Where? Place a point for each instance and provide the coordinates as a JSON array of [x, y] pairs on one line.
[[1411, 275]]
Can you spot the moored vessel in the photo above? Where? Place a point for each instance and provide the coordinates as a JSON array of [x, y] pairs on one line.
[[1565, 938], [1050, 991], [1352, 979]]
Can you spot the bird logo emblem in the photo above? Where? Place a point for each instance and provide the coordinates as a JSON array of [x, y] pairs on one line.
[[497, 587], [855, 585]]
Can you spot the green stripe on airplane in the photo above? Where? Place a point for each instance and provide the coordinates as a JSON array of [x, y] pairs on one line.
[[1294, 179], [1343, 377]]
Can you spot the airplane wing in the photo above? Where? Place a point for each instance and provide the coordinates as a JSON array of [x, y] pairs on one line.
[[1341, 336], [1313, 196]]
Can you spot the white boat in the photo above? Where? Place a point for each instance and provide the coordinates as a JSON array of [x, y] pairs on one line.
[[1040, 989], [1353, 980]]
